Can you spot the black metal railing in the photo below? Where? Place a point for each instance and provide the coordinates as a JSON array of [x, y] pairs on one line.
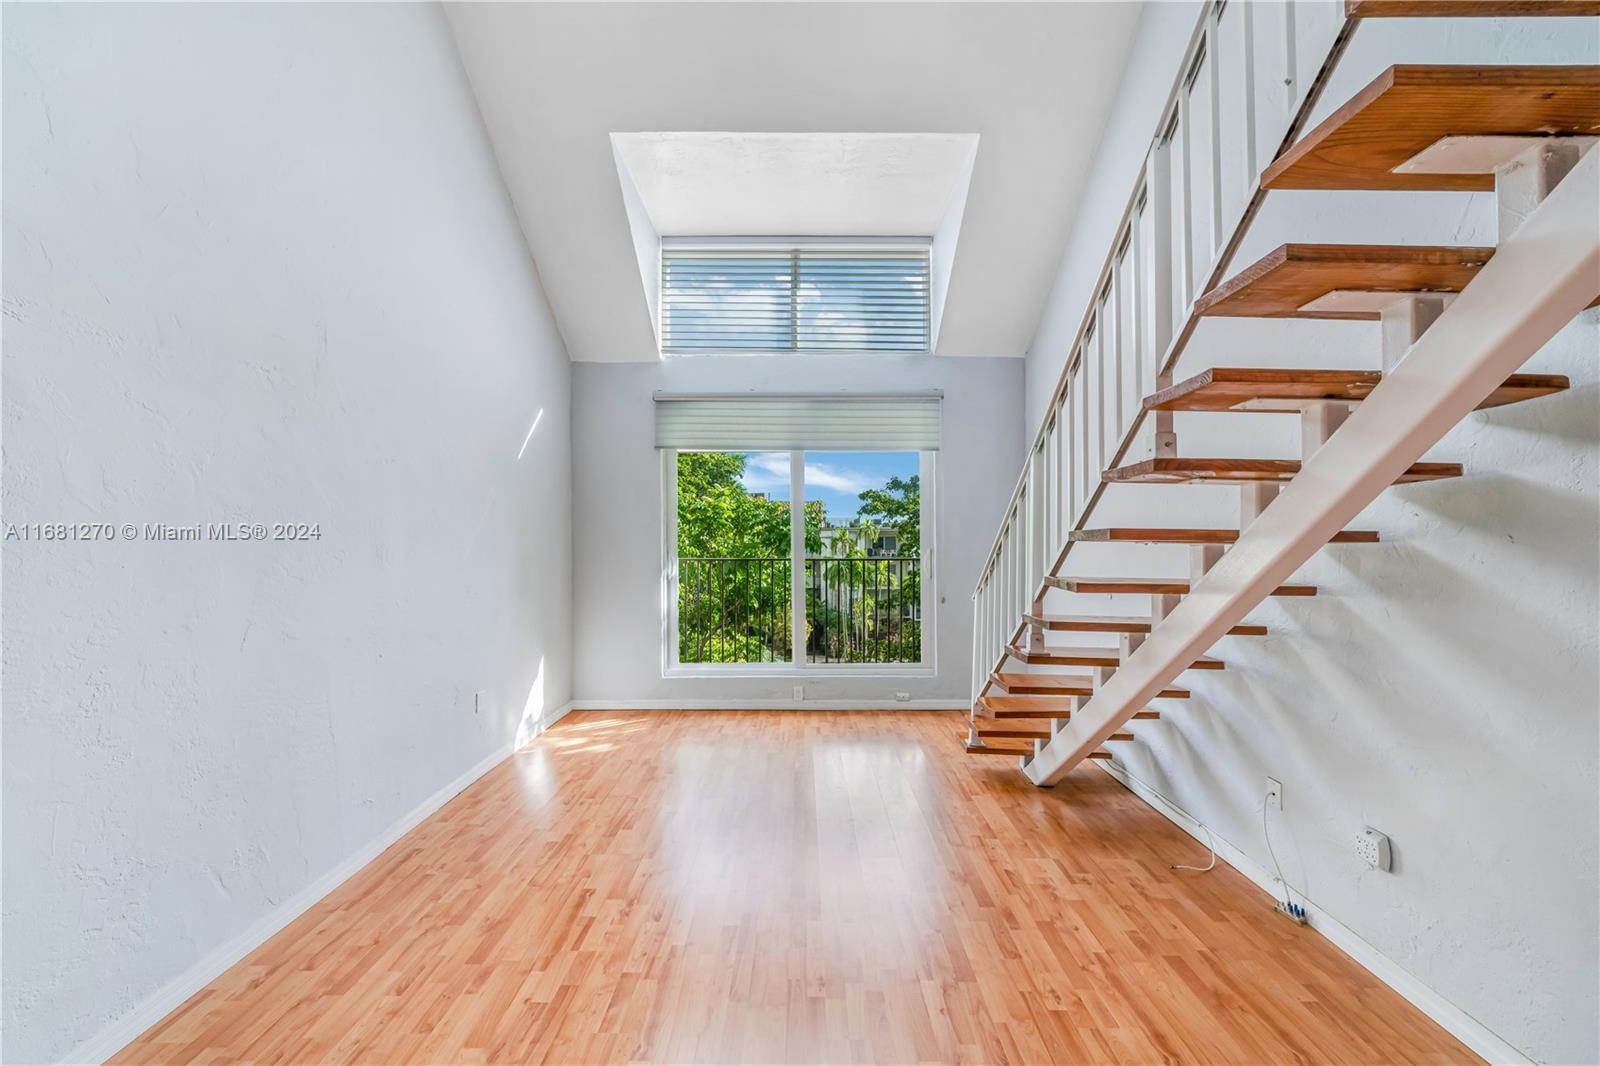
[[864, 610], [734, 610], [858, 610]]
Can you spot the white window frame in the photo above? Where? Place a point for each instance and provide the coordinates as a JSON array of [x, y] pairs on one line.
[[785, 244], [927, 472]]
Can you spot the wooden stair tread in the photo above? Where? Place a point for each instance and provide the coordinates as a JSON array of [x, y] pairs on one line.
[[1065, 656], [1150, 535], [1009, 707], [1150, 586], [1062, 685], [1035, 709], [1120, 736], [1276, 391], [1282, 282], [1044, 684], [1408, 108], [1099, 755], [1013, 750], [1118, 624], [1179, 470], [1012, 728], [1367, 9]]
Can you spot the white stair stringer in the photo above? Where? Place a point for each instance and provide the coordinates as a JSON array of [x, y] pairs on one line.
[[1539, 278]]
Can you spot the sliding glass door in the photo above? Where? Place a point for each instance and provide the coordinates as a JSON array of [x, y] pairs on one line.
[[734, 581], [862, 579], [856, 521]]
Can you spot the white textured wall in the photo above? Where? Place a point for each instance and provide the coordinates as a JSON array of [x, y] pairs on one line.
[[1443, 685], [617, 512], [259, 264]]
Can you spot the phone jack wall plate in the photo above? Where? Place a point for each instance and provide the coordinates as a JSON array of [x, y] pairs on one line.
[[1374, 849]]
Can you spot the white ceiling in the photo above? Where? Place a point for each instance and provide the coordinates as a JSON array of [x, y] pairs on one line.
[[796, 184], [1033, 81]]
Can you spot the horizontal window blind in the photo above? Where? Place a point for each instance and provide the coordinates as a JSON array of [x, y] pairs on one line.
[[802, 299], [787, 423]]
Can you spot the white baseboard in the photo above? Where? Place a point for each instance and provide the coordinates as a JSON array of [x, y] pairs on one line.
[[114, 1037], [556, 715], [767, 705], [1457, 1022]]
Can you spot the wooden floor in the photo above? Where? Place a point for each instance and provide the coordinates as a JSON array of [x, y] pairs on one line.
[[762, 887]]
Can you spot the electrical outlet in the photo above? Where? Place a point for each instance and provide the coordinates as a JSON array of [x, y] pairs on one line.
[[1275, 793], [1373, 847], [902, 697], [799, 692]]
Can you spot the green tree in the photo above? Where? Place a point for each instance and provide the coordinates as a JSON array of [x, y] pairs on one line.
[[898, 506], [717, 517], [733, 563]]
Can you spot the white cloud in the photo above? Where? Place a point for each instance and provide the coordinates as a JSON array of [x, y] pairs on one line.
[[769, 472], [774, 463], [840, 479], [766, 472]]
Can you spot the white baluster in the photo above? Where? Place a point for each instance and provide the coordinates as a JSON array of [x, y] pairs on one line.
[[1213, 62], [1247, 31], [1136, 274], [1185, 181], [1291, 96], [1158, 202], [1062, 478], [1114, 341]]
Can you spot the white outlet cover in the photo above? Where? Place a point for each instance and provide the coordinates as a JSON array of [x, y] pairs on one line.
[[1275, 793], [799, 692]]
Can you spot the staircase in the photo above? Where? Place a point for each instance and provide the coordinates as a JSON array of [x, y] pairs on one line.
[[1456, 324]]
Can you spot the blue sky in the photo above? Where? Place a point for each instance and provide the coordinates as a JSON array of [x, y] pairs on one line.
[[832, 477]]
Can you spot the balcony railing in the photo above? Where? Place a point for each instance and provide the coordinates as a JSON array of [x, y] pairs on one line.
[[734, 610], [857, 610], [864, 610]]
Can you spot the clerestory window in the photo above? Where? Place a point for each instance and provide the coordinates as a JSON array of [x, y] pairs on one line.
[[766, 296]]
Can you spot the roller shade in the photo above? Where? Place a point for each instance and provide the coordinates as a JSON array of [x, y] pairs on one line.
[[788, 423], [794, 300]]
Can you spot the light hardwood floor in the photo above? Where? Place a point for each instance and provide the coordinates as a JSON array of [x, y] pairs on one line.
[[761, 887]]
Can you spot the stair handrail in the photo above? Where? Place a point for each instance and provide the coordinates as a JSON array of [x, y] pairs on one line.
[[1059, 485], [1540, 277]]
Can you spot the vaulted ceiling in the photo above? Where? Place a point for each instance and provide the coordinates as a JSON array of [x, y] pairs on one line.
[[1034, 82]]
